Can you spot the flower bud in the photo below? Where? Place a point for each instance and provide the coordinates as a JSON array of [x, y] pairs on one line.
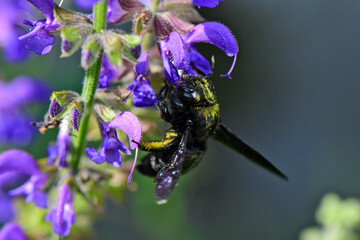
[[60, 101], [112, 47], [77, 112], [76, 27], [90, 51]]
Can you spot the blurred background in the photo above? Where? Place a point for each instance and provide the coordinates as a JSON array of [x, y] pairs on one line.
[[294, 96]]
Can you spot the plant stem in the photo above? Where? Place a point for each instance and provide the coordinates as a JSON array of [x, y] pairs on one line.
[[90, 85]]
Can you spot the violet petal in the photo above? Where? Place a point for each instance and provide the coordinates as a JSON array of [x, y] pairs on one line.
[[130, 124]]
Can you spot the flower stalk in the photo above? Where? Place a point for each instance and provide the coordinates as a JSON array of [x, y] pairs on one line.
[[90, 85]]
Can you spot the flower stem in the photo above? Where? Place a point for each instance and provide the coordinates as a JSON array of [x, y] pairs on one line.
[[90, 85]]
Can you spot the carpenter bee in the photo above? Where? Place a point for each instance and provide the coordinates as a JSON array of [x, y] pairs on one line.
[[191, 108]]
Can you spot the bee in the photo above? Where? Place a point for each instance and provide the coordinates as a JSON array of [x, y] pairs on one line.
[[192, 110]]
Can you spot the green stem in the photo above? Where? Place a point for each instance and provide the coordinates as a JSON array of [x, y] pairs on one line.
[[90, 85]]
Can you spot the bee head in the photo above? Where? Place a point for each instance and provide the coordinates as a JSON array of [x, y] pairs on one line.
[[197, 91]]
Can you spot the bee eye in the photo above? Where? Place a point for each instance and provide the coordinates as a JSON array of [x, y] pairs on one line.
[[187, 94]]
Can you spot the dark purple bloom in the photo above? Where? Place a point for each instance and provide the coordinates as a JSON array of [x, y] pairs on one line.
[[20, 176], [85, 4], [61, 149], [62, 216], [206, 3], [11, 14], [109, 152], [40, 38], [12, 231], [179, 53], [144, 95], [15, 127]]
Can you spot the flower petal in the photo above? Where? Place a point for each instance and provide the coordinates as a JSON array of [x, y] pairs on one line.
[[41, 44], [6, 209], [216, 34], [130, 124], [94, 156], [206, 3], [199, 61], [46, 7], [19, 161], [12, 231]]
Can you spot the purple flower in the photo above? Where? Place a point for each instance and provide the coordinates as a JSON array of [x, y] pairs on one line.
[[206, 3], [109, 152], [15, 127], [179, 53], [19, 176], [12, 231], [39, 39], [11, 14], [85, 4], [62, 216], [144, 95], [8, 181], [61, 149]]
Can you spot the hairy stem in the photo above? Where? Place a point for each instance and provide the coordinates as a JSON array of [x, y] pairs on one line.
[[89, 88]]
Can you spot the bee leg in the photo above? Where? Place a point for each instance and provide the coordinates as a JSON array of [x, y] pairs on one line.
[[169, 175], [152, 163], [170, 141]]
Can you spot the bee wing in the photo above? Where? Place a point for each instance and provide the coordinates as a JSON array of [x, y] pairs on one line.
[[227, 137], [169, 175]]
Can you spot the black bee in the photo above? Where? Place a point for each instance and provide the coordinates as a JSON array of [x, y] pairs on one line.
[[193, 112]]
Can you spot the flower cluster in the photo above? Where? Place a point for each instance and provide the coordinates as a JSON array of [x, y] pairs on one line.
[[124, 72]]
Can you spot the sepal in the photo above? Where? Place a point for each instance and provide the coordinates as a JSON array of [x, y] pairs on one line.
[[75, 29], [91, 50], [112, 47], [59, 101]]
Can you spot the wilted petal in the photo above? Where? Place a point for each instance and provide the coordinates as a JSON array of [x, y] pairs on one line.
[[12, 231], [130, 124], [206, 3]]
